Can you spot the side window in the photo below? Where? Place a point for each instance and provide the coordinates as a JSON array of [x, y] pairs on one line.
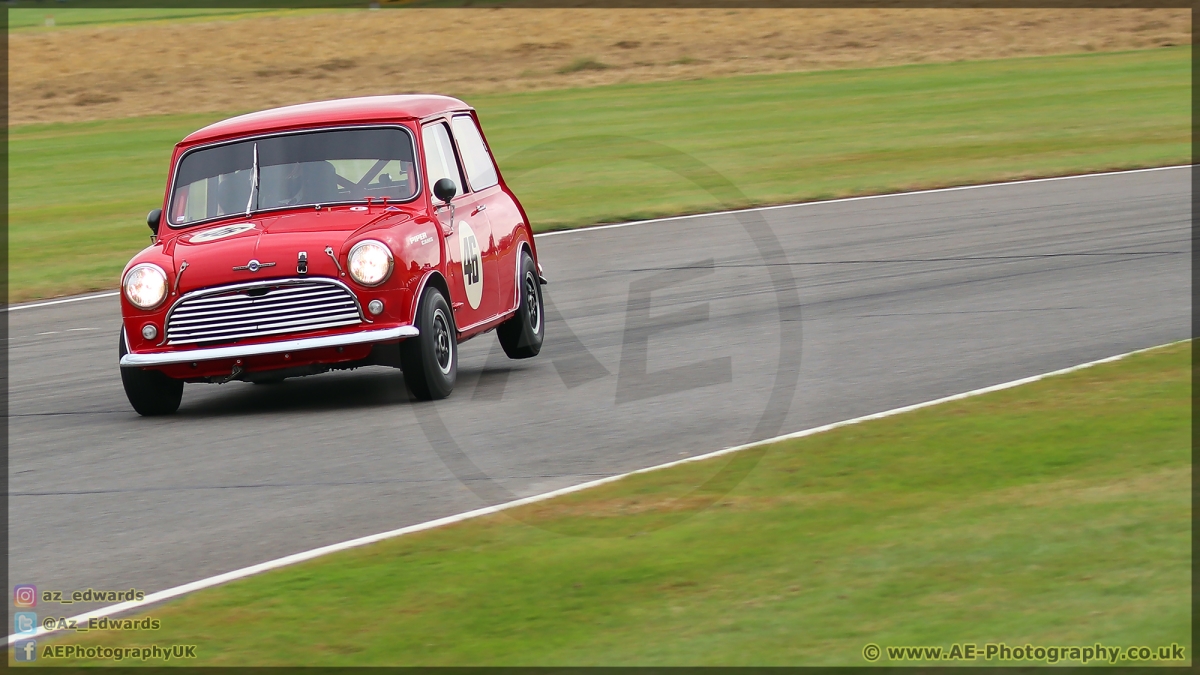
[[439, 156], [480, 170]]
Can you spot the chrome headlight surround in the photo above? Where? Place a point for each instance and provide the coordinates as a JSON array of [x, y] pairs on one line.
[[145, 286], [370, 262]]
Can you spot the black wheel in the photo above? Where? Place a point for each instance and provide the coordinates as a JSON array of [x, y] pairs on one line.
[[149, 391], [521, 336], [430, 360]]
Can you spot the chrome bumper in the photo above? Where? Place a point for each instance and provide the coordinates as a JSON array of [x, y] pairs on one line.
[[238, 351]]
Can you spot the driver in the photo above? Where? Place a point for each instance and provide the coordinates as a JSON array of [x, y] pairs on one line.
[[290, 185]]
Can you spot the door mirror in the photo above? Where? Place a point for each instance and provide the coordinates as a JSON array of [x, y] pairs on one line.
[[153, 218], [445, 189]]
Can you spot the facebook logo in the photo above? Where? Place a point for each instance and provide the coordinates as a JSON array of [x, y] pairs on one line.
[[25, 622], [25, 650]]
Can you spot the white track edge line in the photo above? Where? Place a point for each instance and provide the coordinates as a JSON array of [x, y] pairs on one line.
[[77, 298], [234, 575], [612, 226]]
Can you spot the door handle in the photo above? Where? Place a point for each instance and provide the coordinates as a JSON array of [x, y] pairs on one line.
[[481, 207]]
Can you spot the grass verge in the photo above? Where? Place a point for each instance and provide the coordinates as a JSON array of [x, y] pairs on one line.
[[79, 192], [1056, 513], [51, 17]]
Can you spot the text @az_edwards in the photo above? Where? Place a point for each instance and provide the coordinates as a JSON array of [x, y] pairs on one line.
[[92, 595], [1002, 652], [99, 623]]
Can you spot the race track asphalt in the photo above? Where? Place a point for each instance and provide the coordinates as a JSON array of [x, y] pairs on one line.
[[666, 338]]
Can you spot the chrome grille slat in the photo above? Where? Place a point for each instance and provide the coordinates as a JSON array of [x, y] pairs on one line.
[[262, 304], [275, 331], [289, 306], [242, 298], [240, 303], [280, 331], [272, 322], [181, 318], [242, 324]]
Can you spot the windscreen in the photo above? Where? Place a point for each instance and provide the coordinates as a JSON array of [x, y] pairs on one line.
[[320, 167]]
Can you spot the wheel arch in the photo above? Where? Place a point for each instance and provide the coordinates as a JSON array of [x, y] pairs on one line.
[[525, 246], [433, 278]]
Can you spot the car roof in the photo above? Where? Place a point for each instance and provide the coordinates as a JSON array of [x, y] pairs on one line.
[[361, 109]]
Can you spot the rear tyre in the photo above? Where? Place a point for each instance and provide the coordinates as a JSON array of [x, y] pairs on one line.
[[149, 392], [521, 336], [430, 360]]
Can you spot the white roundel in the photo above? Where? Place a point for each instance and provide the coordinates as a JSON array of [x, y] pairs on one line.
[[472, 264], [220, 232]]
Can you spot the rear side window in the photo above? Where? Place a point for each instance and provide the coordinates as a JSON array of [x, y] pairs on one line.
[[480, 170], [439, 156]]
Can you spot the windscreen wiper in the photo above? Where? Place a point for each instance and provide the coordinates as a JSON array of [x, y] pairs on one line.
[[253, 181]]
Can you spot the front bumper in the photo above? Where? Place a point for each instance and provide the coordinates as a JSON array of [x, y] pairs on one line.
[[239, 351]]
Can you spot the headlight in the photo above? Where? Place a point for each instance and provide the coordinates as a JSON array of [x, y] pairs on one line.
[[370, 262], [145, 286]]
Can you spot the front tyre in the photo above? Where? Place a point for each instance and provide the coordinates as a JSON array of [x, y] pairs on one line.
[[430, 360], [149, 391], [521, 336]]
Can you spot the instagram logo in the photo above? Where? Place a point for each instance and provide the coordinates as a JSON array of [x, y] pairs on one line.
[[25, 596]]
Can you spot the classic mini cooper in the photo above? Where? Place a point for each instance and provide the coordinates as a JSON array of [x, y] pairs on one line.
[[363, 231]]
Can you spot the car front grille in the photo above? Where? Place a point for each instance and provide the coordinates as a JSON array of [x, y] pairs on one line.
[[254, 310]]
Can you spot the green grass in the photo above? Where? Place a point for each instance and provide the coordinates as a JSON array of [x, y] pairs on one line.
[[25, 15], [33, 17], [79, 192], [1056, 513], [78, 198]]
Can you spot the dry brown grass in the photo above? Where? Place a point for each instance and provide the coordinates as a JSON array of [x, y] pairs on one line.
[[205, 66]]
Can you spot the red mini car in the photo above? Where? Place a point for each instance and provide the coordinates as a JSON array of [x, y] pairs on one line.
[[363, 231]]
